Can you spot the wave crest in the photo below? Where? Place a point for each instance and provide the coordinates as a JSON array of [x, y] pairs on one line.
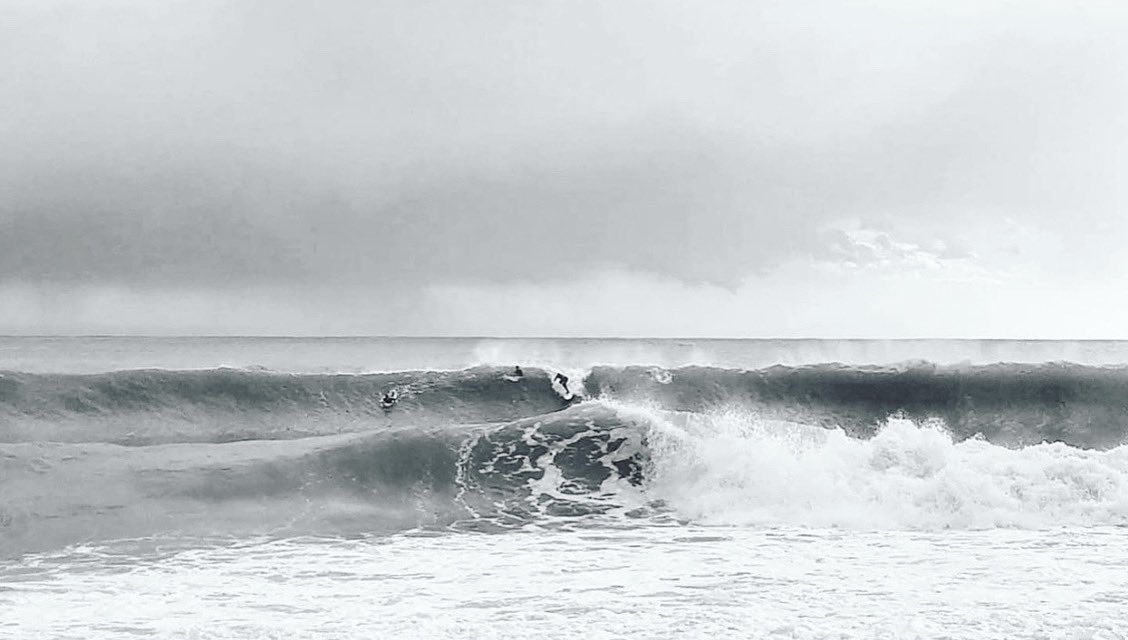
[[1013, 405]]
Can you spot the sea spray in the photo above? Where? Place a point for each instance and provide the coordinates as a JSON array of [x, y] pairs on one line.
[[729, 469]]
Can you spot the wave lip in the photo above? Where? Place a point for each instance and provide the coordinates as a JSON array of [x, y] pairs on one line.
[[1009, 404]]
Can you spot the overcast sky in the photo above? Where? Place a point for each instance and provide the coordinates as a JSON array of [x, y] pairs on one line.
[[565, 167]]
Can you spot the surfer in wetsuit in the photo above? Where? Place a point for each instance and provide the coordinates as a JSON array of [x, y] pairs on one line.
[[563, 380], [517, 373]]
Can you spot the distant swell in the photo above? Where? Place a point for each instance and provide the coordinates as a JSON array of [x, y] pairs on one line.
[[1014, 405]]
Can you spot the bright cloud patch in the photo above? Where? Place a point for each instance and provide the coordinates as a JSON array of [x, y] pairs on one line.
[[877, 252]]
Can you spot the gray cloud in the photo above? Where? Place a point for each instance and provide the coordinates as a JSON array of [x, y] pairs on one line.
[[436, 142]]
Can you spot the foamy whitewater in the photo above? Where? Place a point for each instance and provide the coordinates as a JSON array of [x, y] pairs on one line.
[[258, 488]]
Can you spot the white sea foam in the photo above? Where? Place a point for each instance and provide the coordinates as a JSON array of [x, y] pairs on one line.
[[650, 582], [734, 468]]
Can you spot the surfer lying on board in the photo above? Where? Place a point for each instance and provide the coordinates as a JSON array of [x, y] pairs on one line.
[[390, 398]]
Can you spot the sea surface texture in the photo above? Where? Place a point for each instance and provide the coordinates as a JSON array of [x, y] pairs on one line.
[[807, 489]]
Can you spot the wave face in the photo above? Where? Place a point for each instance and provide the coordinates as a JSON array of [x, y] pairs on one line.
[[570, 463], [1012, 405], [601, 461], [144, 407]]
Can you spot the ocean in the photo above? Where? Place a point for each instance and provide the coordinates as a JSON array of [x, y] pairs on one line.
[[805, 489]]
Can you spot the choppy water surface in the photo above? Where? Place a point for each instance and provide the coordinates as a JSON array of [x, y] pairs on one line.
[[646, 582]]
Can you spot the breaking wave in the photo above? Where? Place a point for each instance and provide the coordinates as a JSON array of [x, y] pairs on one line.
[[595, 462], [230, 452]]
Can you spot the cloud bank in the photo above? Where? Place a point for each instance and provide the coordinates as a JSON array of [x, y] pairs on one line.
[[407, 167]]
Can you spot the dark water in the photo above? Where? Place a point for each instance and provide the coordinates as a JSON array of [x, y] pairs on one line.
[[1008, 404]]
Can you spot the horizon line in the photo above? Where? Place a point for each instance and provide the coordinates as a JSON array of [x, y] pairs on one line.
[[542, 337]]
